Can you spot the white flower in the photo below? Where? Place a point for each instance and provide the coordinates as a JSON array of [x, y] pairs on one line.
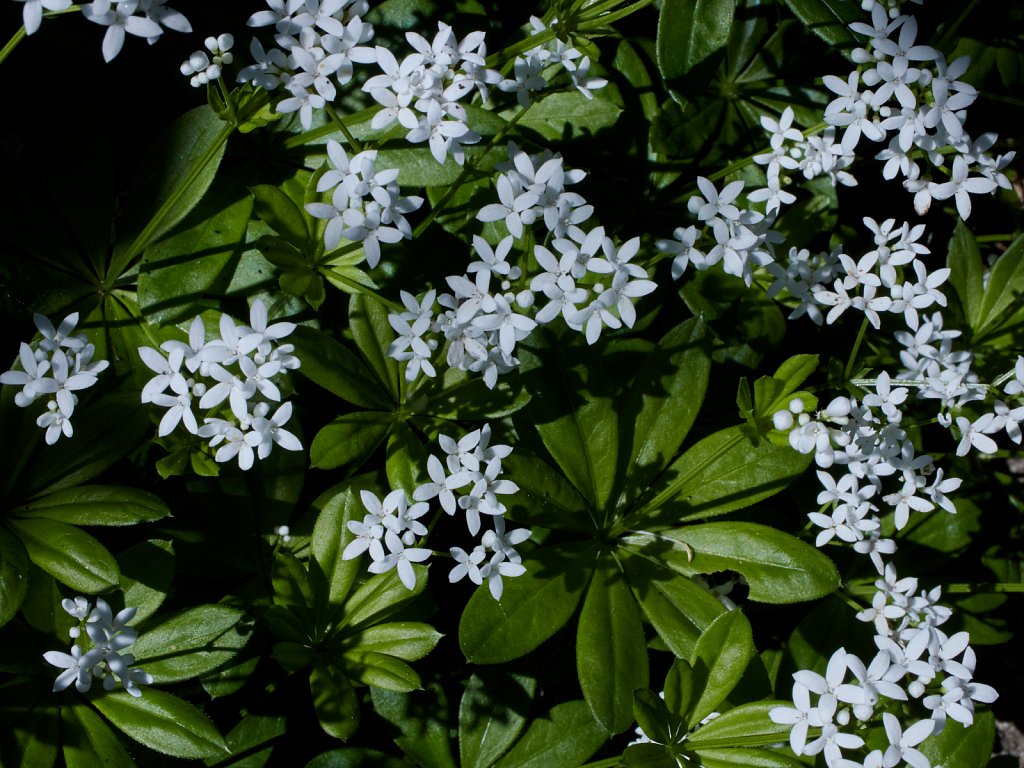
[[400, 557]]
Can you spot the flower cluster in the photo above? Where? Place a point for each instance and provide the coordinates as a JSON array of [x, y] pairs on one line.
[[201, 69], [57, 365], [234, 378], [394, 522], [530, 72], [915, 661], [109, 636], [907, 94], [365, 203], [482, 327], [318, 41], [423, 91], [878, 460]]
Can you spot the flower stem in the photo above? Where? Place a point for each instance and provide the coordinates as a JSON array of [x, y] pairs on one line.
[[851, 361], [11, 44], [352, 140], [977, 588]]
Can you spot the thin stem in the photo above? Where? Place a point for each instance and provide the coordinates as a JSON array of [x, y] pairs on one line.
[[608, 18], [608, 762], [352, 140], [951, 30], [366, 290], [920, 383], [856, 348], [977, 588], [16, 38]]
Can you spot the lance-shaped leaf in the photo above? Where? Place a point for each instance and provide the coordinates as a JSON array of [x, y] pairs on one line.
[[689, 31], [162, 722], [351, 437], [492, 714], [13, 575], [380, 597], [372, 331], [532, 607], [335, 507], [337, 369], [422, 718], [192, 642], [406, 640], [719, 661], [611, 651], [745, 725], [70, 555], [778, 567], [663, 401], [828, 19], [678, 608], [85, 737], [380, 670], [335, 701], [967, 273], [147, 570], [96, 505], [724, 472], [566, 735], [545, 497]]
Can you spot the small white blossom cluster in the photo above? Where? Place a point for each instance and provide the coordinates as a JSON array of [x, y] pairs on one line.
[[532, 70], [879, 281], [877, 457], [142, 18], [742, 238], [908, 94], [423, 91], [199, 66], [814, 156], [109, 636], [483, 327], [470, 463], [365, 206], [57, 365], [916, 661], [318, 41], [239, 369]]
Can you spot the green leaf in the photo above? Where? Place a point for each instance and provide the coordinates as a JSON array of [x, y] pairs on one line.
[[176, 272], [147, 570], [192, 642], [778, 567], [657, 723], [281, 214], [373, 334], [418, 168], [349, 438], [174, 175], [246, 738], [786, 380], [406, 460], [380, 597], [532, 608], [663, 402], [460, 397], [967, 273], [1004, 288], [422, 717], [334, 508], [724, 472], [579, 429], [335, 701], [34, 738], [352, 757], [678, 609], [689, 31], [407, 640], [679, 689], [70, 555], [566, 735], [163, 723], [13, 575], [828, 19], [648, 756], [745, 724], [337, 369], [492, 714], [88, 742], [611, 651], [545, 497], [962, 747], [96, 505], [719, 661], [380, 671], [570, 114], [745, 758]]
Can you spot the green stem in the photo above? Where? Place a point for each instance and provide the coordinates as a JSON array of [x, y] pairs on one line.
[[851, 361], [16, 38], [947, 35], [229, 103], [353, 142], [608, 18], [366, 290], [608, 762], [121, 262]]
